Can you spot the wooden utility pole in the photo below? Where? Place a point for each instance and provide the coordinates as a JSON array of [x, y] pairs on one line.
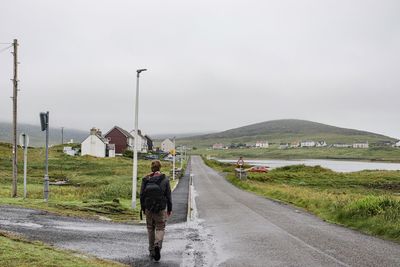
[[14, 98], [62, 135]]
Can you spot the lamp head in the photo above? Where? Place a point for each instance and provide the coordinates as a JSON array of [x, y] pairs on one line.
[[140, 70]]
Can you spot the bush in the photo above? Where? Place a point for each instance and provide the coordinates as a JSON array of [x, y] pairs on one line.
[[128, 153], [304, 168]]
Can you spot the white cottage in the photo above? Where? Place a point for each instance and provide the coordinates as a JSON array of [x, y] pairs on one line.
[[397, 144], [307, 144], [321, 144], [142, 141], [361, 145], [262, 144], [167, 145], [96, 145]]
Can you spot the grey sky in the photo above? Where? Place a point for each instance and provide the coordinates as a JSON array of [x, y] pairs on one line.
[[213, 65]]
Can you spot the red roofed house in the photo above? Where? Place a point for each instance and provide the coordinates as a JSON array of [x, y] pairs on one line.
[[122, 139]]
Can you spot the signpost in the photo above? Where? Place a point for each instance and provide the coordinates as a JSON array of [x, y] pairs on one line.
[[240, 164], [24, 143], [44, 121]]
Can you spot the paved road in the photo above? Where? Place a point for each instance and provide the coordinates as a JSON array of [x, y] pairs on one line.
[[253, 231]]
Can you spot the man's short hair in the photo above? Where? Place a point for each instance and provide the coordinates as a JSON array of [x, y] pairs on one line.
[[155, 166]]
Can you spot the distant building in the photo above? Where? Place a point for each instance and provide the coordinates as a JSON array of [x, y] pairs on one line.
[[321, 144], [361, 145], [142, 141], [341, 145], [262, 144], [218, 146], [307, 144], [167, 145], [383, 143], [397, 144], [120, 138], [294, 144], [149, 143], [96, 145], [69, 151], [283, 145]]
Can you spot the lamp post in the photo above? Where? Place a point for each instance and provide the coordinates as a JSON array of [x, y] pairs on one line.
[[135, 160], [173, 161]]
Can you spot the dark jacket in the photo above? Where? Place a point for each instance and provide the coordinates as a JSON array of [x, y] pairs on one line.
[[165, 186]]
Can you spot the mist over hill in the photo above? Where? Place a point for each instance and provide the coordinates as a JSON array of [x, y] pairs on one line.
[[37, 137], [288, 130]]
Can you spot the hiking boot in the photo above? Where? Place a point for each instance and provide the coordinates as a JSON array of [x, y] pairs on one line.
[[151, 255], [157, 254]]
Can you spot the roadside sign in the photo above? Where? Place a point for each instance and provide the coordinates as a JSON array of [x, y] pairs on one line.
[[44, 120], [23, 140]]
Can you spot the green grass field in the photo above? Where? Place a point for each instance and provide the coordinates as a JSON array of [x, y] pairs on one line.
[[372, 154], [368, 200], [16, 251], [99, 187]]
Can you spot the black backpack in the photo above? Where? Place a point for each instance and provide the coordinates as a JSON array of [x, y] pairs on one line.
[[154, 199]]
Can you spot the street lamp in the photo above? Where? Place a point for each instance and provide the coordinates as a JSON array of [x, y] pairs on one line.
[[173, 162], [135, 160]]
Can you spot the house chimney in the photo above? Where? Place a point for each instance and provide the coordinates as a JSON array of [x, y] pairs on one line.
[[93, 131]]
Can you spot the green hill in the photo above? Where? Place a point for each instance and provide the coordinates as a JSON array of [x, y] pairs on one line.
[[37, 137], [289, 130]]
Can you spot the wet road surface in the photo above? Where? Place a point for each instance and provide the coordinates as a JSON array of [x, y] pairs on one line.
[[254, 231]]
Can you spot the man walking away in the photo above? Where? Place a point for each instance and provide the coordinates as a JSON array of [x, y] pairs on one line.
[[156, 202]]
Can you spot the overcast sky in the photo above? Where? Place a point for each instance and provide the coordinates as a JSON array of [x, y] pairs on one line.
[[213, 65]]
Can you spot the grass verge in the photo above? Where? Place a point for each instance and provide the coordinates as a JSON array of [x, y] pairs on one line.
[[16, 251]]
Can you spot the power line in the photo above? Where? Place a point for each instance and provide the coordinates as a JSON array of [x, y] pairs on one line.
[[5, 43], [4, 49]]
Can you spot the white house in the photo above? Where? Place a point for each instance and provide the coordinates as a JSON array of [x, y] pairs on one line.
[[283, 145], [96, 145], [142, 141], [307, 144], [295, 144], [397, 144], [321, 144], [262, 144], [69, 151], [218, 146], [167, 145], [341, 145], [361, 145]]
